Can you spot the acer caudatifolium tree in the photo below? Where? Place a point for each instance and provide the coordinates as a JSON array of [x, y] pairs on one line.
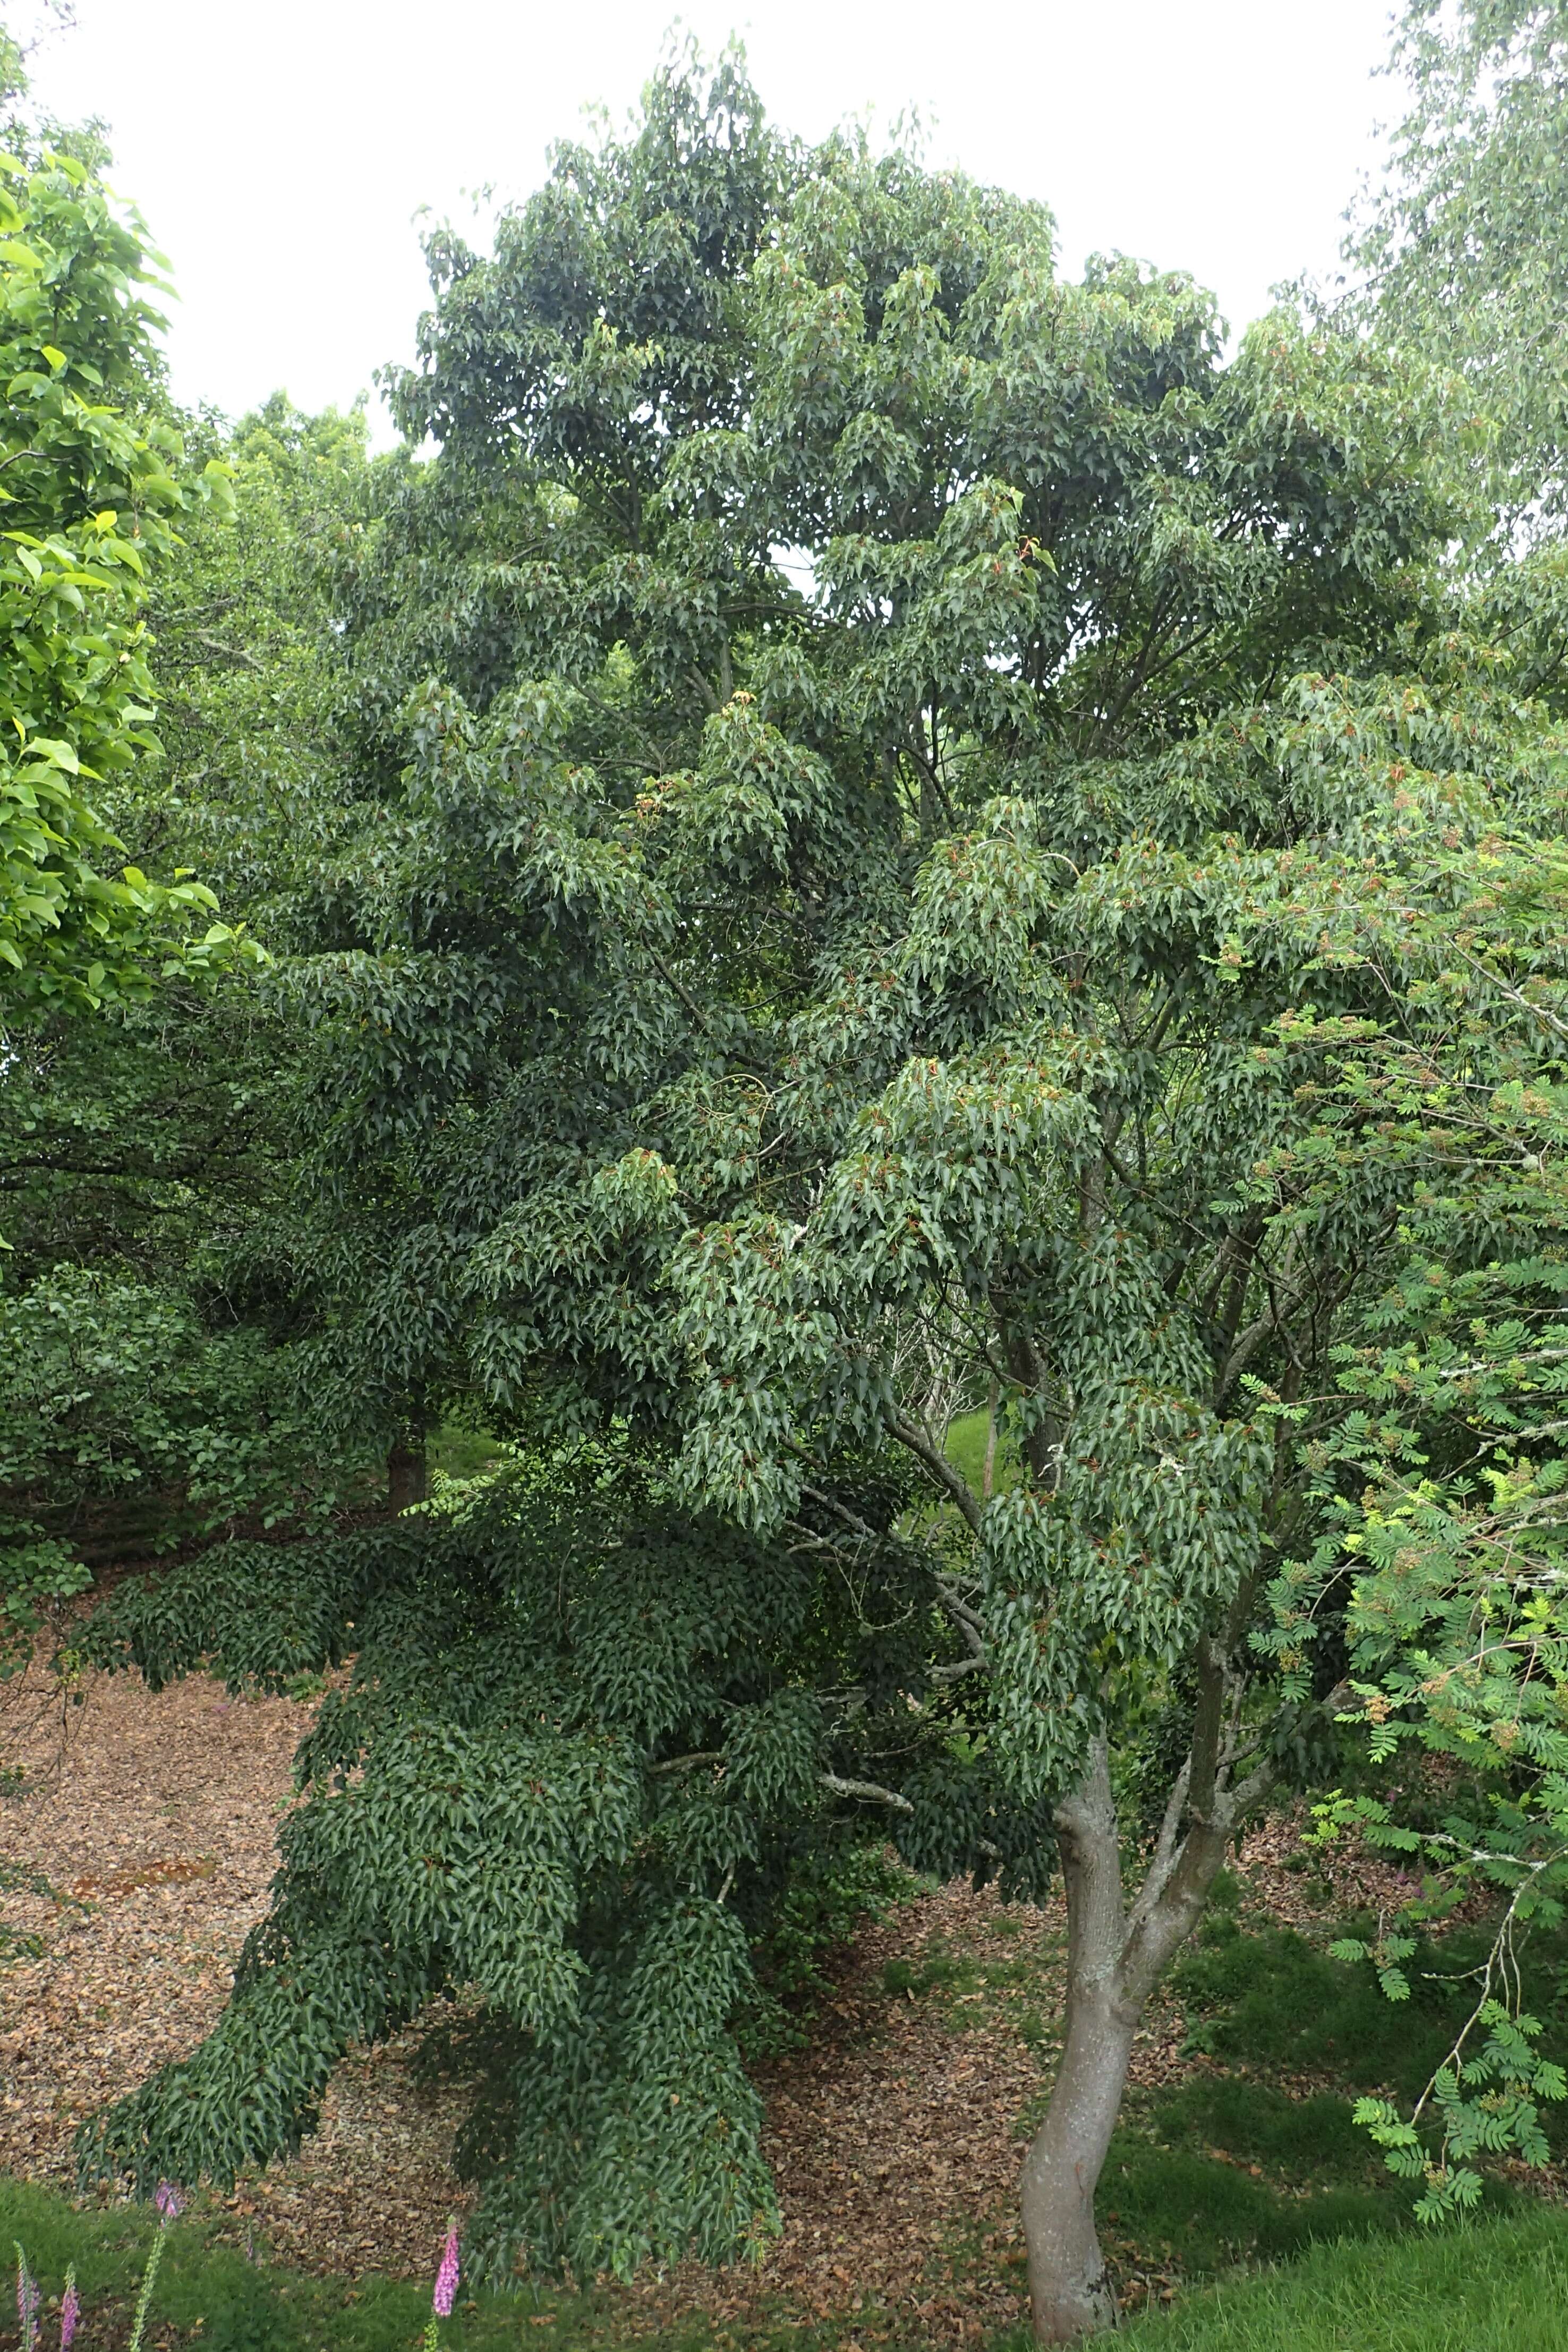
[[891, 784]]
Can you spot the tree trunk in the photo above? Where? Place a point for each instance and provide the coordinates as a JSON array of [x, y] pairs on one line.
[[406, 1471], [1070, 2292], [1115, 1960]]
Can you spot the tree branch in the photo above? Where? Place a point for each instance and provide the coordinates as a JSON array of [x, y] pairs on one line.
[[953, 1480], [867, 1788]]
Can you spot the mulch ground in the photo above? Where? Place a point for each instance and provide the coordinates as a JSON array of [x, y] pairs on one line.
[[894, 2136]]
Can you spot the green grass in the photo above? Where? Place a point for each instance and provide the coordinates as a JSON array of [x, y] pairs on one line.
[[966, 1450], [1489, 2286], [937, 1970], [210, 2291], [211, 2297], [1272, 2002], [459, 1453], [1224, 2167], [1492, 2286]]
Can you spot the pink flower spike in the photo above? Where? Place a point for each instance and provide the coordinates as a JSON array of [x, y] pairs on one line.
[[27, 2302], [446, 2276], [169, 2201], [70, 2311]]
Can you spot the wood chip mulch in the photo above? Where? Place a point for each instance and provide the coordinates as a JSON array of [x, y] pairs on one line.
[[895, 2135]]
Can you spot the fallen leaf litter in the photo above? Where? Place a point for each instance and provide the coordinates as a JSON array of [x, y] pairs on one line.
[[894, 2134]]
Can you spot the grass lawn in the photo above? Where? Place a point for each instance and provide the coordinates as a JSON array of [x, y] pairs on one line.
[[210, 2294], [1492, 2286], [1488, 2287]]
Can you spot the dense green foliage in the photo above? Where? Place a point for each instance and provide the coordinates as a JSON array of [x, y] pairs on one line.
[[893, 821], [147, 1391], [917, 953], [91, 492], [141, 1114]]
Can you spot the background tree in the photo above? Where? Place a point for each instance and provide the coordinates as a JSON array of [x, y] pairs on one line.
[[1462, 246], [149, 1385], [101, 963], [90, 490], [145, 1117]]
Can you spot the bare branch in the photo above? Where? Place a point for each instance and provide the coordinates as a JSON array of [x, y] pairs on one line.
[[1163, 1859], [946, 1476], [867, 1788]]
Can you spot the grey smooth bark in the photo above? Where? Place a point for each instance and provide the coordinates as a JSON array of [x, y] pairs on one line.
[[1070, 2291], [1115, 1956]]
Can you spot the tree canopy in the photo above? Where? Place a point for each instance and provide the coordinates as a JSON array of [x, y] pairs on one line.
[[905, 834]]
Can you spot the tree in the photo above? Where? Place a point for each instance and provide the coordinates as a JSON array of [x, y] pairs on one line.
[[144, 1113], [1461, 249], [1440, 1555], [90, 489], [887, 782], [105, 1121]]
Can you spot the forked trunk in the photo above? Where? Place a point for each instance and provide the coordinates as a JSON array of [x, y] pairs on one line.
[[1115, 1956]]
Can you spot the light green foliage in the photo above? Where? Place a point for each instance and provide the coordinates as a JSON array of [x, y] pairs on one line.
[[1442, 1488], [746, 1021], [148, 1384], [116, 1130], [1463, 245], [248, 786], [89, 489]]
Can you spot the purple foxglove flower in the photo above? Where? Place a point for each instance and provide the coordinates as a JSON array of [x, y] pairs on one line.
[[70, 2311], [446, 2276], [169, 2201], [27, 2302]]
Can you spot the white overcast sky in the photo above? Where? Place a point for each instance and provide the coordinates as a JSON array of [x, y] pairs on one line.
[[280, 152]]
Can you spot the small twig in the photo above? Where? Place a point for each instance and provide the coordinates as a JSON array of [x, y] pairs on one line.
[[229, 653]]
